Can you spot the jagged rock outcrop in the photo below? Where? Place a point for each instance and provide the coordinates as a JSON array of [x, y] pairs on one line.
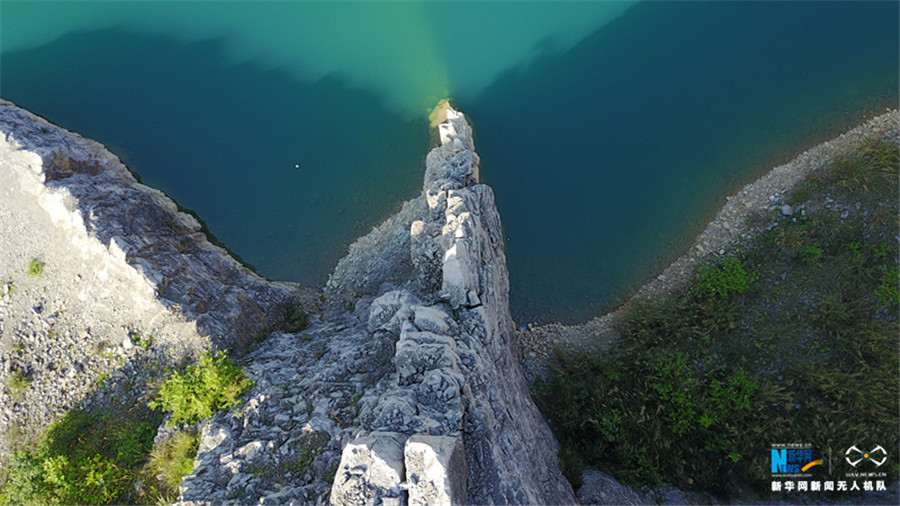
[[127, 284], [407, 391]]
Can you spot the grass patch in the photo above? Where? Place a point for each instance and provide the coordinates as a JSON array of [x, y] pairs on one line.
[[200, 391], [794, 342], [721, 281], [169, 463], [17, 384]]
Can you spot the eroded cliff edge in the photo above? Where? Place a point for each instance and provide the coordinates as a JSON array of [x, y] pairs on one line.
[[127, 284], [405, 390]]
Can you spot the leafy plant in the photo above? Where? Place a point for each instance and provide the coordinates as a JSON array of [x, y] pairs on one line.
[[811, 253], [139, 339], [212, 384], [17, 384], [723, 281], [36, 268], [296, 321]]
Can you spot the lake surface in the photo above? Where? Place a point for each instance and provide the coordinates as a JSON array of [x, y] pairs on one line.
[[610, 131]]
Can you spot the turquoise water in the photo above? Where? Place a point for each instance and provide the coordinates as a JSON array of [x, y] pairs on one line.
[[609, 131]]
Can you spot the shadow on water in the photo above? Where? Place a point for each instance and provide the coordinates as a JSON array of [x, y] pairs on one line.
[[225, 139], [607, 159]]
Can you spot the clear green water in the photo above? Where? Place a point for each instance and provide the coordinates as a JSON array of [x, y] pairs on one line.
[[609, 131]]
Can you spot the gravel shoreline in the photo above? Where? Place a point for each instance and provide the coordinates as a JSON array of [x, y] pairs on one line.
[[727, 232]]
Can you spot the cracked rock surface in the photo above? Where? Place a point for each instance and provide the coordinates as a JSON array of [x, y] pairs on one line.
[[406, 390]]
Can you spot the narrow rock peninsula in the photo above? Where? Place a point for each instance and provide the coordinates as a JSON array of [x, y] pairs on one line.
[[407, 390], [403, 389]]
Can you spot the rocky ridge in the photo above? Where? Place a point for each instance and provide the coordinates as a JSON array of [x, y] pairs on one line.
[[407, 390], [103, 282]]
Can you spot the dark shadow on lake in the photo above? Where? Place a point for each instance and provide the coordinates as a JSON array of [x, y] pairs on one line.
[[225, 139], [606, 160]]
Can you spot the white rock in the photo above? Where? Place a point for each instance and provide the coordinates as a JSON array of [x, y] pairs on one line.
[[436, 470]]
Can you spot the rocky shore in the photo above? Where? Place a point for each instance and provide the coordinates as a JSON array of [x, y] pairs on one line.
[[724, 235], [103, 282]]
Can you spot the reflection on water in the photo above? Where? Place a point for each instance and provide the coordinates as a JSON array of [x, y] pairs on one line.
[[610, 132], [412, 53]]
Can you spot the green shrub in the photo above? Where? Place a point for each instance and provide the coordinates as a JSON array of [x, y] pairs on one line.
[[200, 391], [17, 383], [723, 281], [811, 253], [36, 268], [296, 321]]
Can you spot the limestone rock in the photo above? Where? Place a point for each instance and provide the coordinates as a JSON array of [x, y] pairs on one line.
[[371, 470], [436, 470]]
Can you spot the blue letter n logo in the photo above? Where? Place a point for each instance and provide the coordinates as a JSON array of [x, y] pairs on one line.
[[779, 460]]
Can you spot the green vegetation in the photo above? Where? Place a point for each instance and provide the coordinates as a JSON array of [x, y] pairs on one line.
[[296, 321], [721, 281], [212, 384], [8, 288], [36, 268], [140, 340], [171, 460], [17, 383], [888, 292], [296, 463], [793, 341], [83, 459], [89, 458]]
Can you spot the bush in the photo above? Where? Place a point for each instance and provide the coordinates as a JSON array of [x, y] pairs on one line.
[[296, 321], [17, 384], [725, 280], [811, 253], [204, 388]]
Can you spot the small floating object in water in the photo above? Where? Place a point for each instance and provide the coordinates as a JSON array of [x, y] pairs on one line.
[[296, 165]]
